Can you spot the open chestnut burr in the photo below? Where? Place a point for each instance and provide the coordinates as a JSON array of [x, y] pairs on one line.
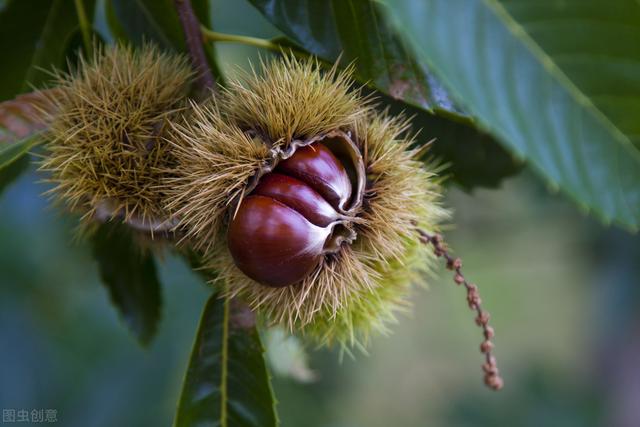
[[299, 212], [269, 187]]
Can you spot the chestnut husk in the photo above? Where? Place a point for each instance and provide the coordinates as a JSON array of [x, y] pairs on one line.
[[345, 149], [106, 146], [229, 144], [277, 245]]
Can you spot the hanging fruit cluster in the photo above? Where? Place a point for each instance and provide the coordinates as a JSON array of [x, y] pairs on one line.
[[306, 202]]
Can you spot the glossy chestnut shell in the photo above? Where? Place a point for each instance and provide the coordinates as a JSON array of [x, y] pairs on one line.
[[298, 210]]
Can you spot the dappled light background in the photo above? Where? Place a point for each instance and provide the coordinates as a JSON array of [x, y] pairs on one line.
[[562, 290]]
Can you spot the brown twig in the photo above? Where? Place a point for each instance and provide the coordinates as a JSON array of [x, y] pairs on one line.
[[492, 376], [193, 39]]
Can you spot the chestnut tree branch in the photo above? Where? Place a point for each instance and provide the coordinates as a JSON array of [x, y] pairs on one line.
[[194, 40], [492, 376]]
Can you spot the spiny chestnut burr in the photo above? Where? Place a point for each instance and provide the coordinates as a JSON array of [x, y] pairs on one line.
[[304, 200], [106, 148], [280, 231]]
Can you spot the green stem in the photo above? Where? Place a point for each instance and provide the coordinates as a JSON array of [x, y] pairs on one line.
[[85, 27], [214, 36]]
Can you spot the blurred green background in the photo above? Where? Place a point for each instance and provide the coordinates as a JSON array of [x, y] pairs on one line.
[[562, 289]]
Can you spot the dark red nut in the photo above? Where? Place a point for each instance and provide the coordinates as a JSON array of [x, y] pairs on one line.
[[316, 165], [274, 244], [278, 235], [299, 196]]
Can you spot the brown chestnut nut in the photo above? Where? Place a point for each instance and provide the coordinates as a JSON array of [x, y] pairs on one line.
[[278, 234], [317, 166], [299, 196], [274, 244]]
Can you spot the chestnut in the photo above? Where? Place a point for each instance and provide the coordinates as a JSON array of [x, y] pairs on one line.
[[305, 201], [317, 166], [299, 196], [278, 233]]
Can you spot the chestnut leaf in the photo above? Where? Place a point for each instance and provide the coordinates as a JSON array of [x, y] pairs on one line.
[[473, 157], [9, 153], [33, 38], [356, 31], [129, 274], [558, 83], [226, 383]]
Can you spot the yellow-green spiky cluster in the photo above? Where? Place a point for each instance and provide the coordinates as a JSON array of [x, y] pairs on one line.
[[106, 150], [221, 144], [292, 99], [214, 161], [359, 289], [351, 292]]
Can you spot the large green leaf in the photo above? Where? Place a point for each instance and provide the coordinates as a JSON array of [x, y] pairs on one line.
[[33, 37], [472, 157], [557, 82], [226, 383], [356, 31], [129, 273], [599, 51]]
